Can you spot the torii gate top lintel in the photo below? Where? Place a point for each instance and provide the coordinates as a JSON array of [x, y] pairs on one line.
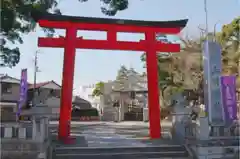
[[112, 26], [65, 19]]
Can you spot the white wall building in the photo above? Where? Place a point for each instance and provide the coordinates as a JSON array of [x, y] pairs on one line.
[[85, 92]]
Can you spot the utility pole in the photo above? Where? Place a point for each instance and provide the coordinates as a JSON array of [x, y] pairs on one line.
[[206, 18], [35, 77], [214, 32]]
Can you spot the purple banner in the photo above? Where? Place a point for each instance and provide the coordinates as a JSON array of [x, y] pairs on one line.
[[23, 91], [229, 97]]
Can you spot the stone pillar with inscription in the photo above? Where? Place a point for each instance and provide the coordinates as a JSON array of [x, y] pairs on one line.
[[213, 120], [212, 84]]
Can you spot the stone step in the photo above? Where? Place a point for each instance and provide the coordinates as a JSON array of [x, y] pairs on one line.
[[142, 155], [173, 151], [164, 148]]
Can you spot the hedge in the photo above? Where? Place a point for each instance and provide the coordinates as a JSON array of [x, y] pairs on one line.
[[84, 112]]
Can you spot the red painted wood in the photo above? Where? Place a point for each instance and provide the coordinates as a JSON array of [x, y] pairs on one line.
[[70, 43], [107, 27], [109, 45], [67, 84], [112, 35], [153, 89], [51, 42]]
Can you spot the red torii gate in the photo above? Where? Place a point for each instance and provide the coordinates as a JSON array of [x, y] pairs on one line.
[[70, 42]]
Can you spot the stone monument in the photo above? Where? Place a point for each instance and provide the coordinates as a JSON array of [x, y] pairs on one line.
[[213, 136], [180, 117]]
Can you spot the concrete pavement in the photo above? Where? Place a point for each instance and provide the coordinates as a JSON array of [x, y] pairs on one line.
[[111, 134], [123, 123], [107, 140]]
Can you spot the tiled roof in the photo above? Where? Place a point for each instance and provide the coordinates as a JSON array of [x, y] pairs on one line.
[[38, 85], [5, 76]]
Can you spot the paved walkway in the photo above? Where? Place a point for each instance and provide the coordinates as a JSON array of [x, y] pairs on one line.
[[124, 123], [110, 134]]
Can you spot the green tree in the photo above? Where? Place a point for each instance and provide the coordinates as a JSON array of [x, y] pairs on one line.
[[189, 60], [229, 38], [16, 20], [122, 73], [122, 77], [113, 6], [98, 90], [170, 75]]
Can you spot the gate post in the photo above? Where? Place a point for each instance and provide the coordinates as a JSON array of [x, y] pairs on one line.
[[153, 90], [67, 83]]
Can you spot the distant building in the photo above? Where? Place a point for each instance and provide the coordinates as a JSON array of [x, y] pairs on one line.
[[80, 103], [85, 92], [120, 90], [9, 96], [46, 93]]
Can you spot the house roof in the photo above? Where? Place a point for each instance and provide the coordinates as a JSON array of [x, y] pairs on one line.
[[4, 77], [81, 103], [38, 85], [10, 79]]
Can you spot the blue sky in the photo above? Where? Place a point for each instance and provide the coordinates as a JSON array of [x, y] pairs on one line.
[[99, 65]]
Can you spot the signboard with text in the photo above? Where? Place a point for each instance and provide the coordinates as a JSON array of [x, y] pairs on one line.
[[23, 91], [229, 97], [212, 83]]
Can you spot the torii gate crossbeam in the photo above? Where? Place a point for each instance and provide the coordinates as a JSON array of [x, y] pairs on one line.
[[112, 26]]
